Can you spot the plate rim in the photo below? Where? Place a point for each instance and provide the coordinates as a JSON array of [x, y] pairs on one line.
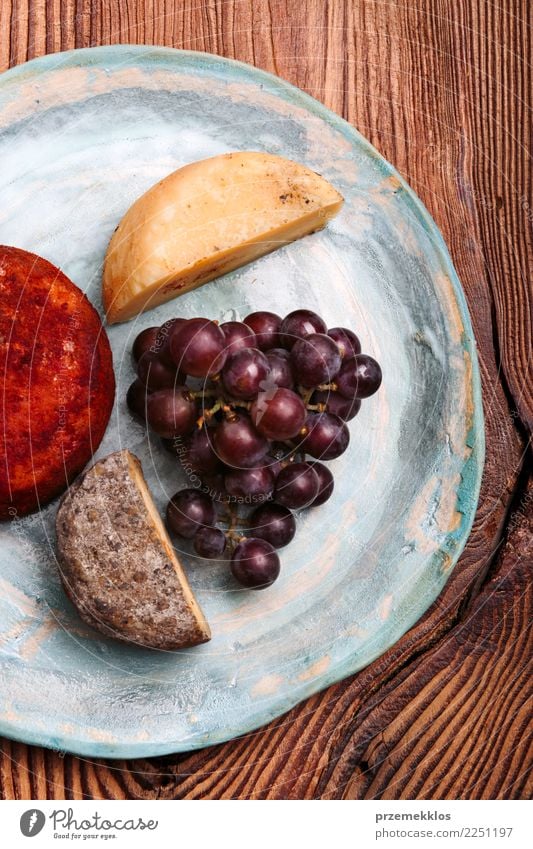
[[472, 468]]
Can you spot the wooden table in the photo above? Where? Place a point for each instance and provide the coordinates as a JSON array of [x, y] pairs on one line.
[[441, 88]]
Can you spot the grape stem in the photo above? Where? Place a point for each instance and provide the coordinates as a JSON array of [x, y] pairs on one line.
[[204, 393], [234, 537], [232, 534], [306, 394], [208, 414], [221, 403], [292, 457], [327, 387], [228, 411]]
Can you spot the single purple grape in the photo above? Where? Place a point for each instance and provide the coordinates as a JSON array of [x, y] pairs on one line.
[[145, 341], [348, 343], [244, 373], [273, 523], [315, 360], [327, 437], [326, 484], [250, 483], [266, 327], [279, 415], [155, 374], [189, 510], [171, 412], [238, 444], [198, 347], [198, 452], [255, 564], [281, 375], [359, 377], [136, 398], [215, 485], [162, 343], [209, 542], [297, 486], [238, 336], [335, 403], [298, 325]]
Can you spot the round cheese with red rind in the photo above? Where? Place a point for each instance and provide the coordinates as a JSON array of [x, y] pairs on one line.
[[56, 380]]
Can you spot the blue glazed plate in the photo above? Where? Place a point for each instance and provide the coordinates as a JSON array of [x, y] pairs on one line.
[[82, 134]]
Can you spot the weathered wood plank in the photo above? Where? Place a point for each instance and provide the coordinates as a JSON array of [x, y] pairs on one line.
[[442, 88]]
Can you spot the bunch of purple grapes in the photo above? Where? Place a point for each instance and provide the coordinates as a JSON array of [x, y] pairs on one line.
[[252, 408]]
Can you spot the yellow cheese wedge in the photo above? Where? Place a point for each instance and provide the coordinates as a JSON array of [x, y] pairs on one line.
[[208, 218]]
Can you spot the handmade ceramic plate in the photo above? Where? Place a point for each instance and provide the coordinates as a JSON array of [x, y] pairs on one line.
[[82, 135]]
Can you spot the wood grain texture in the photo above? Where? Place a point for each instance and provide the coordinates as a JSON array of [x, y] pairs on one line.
[[442, 88]]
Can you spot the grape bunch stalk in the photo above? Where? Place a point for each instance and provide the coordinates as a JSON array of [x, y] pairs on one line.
[[253, 408]]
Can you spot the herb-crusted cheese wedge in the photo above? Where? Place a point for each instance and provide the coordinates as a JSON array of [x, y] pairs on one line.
[[208, 218], [117, 563]]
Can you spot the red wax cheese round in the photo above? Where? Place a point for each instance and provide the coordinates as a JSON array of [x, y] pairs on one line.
[[56, 380]]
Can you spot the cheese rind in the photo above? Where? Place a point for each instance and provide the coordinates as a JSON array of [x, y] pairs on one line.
[[117, 563], [206, 219], [56, 378]]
